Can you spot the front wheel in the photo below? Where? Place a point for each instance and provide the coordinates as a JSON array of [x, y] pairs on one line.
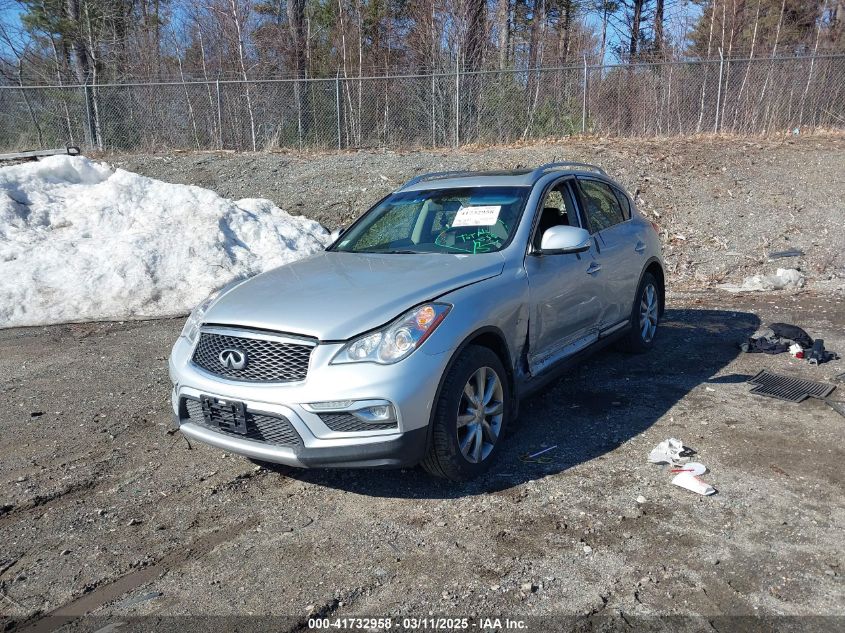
[[644, 316], [470, 416]]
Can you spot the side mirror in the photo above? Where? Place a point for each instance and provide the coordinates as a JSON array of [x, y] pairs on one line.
[[559, 240]]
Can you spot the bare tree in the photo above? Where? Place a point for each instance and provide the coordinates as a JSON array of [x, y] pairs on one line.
[[238, 16]]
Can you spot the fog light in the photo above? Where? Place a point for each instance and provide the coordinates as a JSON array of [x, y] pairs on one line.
[[377, 413], [331, 404]]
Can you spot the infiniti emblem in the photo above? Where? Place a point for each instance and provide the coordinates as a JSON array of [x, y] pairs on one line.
[[233, 358]]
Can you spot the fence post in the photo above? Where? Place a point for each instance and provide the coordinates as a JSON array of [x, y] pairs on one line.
[[584, 104], [719, 92], [457, 98], [337, 106], [219, 118], [433, 126], [89, 130]]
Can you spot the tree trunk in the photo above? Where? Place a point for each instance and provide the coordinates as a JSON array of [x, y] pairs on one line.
[[658, 29], [296, 24], [80, 62], [605, 16], [538, 16], [636, 19], [476, 25], [565, 31], [503, 28], [237, 20]]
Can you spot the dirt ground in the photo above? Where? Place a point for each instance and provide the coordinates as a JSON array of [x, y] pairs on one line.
[[723, 204], [104, 511]]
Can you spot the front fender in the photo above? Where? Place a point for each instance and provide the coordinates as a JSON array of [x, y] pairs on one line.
[[496, 304]]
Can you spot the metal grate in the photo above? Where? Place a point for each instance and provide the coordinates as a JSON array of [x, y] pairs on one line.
[[789, 389], [260, 427], [266, 360], [346, 422]]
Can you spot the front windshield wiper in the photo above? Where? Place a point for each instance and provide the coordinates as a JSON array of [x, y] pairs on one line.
[[394, 252]]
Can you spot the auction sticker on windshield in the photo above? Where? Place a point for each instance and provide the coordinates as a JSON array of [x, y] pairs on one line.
[[485, 215]]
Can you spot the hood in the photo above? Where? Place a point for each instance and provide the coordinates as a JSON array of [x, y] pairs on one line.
[[335, 296]]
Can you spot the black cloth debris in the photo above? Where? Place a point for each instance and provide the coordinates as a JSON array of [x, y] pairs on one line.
[[792, 332], [779, 337], [765, 345], [776, 339], [818, 354]]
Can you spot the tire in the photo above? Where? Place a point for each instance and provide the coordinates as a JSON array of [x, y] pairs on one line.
[[646, 308], [445, 457]]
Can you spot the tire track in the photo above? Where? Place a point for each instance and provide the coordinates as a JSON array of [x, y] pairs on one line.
[[111, 591]]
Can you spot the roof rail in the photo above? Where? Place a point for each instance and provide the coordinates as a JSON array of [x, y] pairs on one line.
[[542, 169], [435, 176]]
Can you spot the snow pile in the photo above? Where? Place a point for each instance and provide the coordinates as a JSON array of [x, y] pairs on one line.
[[783, 279], [82, 241]]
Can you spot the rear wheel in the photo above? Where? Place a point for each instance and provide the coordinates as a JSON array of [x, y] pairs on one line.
[[644, 316], [470, 416]]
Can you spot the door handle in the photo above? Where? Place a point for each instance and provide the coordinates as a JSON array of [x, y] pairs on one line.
[[594, 268], [640, 247]]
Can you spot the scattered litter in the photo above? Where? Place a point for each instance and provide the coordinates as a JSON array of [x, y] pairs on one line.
[[786, 388], [545, 450], [36, 414], [535, 457], [783, 279], [674, 453], [693, 483], [818, 354], [693, 467], [792, 252], [671, 451], [641, 499], [784, 337]]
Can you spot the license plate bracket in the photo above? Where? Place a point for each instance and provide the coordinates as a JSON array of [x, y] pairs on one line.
[[227, 415]]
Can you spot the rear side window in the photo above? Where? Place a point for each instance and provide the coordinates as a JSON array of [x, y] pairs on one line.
[[603, 208], [624, 202]]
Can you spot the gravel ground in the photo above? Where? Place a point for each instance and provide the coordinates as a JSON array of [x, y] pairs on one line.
[[103, 511], [723, 204]]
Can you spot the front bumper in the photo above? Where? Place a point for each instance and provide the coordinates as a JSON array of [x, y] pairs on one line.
[[410, 385], [395, 451]]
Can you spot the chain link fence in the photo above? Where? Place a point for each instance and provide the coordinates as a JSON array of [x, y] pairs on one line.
[[738, 96]]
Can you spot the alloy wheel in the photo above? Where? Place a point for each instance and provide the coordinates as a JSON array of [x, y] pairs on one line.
[[649, 307], [480, 415]]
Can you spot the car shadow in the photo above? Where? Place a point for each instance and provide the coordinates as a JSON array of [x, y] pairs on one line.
[[592, 409]]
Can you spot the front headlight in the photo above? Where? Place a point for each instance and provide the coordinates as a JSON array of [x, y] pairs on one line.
[[397, 340], [192, 325]]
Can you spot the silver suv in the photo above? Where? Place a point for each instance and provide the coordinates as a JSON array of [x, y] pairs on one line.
[[412, 337]]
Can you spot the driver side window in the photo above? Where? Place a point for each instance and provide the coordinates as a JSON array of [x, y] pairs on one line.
[[558, 209]]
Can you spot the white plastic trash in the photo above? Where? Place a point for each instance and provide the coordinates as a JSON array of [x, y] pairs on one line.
[[668, 452], [694, 468], [693, 483]]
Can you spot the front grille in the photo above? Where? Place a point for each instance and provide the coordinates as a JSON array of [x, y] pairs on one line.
[[266, 360], [346, 422], [261, 427]]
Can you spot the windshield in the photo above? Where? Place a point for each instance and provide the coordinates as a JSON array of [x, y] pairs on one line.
[[470, 220]]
